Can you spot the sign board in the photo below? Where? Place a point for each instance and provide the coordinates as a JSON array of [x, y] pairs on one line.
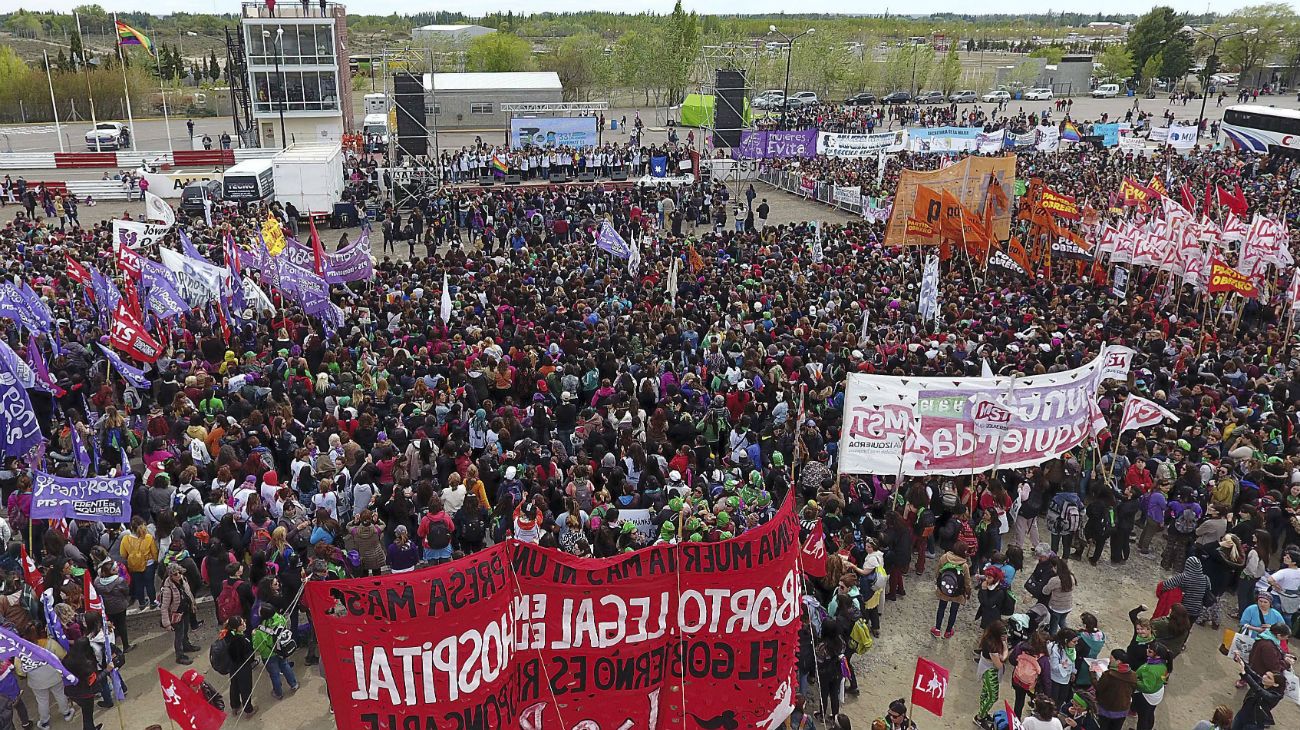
[[578, 132]]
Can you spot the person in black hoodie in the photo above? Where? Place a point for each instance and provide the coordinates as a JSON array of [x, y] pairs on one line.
[[1265, 692], [240, 649], [1127, 511]]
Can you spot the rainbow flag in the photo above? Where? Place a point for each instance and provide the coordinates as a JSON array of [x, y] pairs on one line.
[[1071, 133], [499, 164], [128, 36]]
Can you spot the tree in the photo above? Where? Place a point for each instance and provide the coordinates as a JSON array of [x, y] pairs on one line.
[[1151, 70], [635, 56], [76, 53], [214, 66], [683, 44], [1116, 64], [1053, 54], [579, 62], [497, 52], [1160, 32], [948, 74], [1275, 23]]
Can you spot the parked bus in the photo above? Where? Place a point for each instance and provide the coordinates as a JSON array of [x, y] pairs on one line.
[[1263, 129]]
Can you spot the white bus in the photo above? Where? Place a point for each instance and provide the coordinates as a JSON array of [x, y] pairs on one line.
[[1263, 129]]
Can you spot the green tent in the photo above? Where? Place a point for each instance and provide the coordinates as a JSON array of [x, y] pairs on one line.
[[697, 111]]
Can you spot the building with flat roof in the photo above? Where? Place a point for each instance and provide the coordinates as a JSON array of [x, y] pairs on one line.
[[473, 100], [451, 35], [299, 91]]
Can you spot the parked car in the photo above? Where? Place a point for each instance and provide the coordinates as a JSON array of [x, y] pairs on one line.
[[1106, 91], [108, 136], [897, 97], [1038, 94], [804, 98], [770, 99], [929, 97], [994, 97], [192, 195], [864, 99], [965, 96]]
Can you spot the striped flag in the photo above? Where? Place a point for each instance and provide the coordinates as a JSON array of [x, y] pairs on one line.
[[128, 36]]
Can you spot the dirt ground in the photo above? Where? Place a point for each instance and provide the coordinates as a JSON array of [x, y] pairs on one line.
[[1202, 678]]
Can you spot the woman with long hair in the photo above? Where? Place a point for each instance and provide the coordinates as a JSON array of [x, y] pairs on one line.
[[1257, 557], [992, 660], [80, 661], [141, 554], [1058, 594], [1152, 676]]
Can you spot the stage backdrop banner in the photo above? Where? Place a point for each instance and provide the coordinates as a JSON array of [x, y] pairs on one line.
[[519, 636], [835, 144], [1058, 411], [967, 180], [579, 132]]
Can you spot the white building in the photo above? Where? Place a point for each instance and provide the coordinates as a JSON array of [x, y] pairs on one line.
[[298, 92], [473, 100], [449, 35]]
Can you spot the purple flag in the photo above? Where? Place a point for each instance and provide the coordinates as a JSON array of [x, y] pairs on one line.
[[131, 374], [15, 305], [28, 656], [187, 246], [17, 419], [53, 625], [106, 294], [42, 371], [93, 498], [160, 295], [609, 240], [79, 449], [38, 307], [352, 263]]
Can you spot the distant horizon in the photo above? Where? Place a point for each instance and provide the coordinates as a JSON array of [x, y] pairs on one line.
[[478, 9]]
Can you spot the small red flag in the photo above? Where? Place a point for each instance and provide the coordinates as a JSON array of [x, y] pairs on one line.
[[317, 250], [1013, 722], [929, 686], [93, 601], [814, 552], [77, 272], [187, 707], [31, 575]]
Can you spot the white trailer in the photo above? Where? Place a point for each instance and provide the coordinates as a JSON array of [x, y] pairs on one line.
[[310, 177]]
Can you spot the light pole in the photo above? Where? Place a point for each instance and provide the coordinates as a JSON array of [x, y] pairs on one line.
[[789, 50], [1212, 60], [284, 91]]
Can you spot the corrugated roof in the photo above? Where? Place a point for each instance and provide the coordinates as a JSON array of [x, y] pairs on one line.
[[450, 28], [506, 81]]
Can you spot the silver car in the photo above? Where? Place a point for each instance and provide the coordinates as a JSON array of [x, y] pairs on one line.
[[965, 96]]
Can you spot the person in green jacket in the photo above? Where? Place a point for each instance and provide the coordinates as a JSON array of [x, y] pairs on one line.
[[1151, 678]]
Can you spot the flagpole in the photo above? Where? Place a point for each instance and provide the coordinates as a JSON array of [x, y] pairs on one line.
[[126, 89], [89, 96], [163, 90], [58, 128]]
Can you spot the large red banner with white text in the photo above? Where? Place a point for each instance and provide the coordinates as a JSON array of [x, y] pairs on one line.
[[518, 636]]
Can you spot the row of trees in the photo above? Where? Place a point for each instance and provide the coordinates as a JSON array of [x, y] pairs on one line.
[[25, 92]]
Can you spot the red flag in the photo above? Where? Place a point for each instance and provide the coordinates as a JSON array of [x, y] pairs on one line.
[[77, 272], [93, 601], [1189, 200], [185, 706], [225, 326], [1235, 201], [1209, 196], [1013, 722], [929, 686], [128, 261], [132, 297], [31, 575], [317, 250], [130, 336], [814, 552]]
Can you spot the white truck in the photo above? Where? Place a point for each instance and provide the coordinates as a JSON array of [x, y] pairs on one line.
[[310, 177], [375, 129], [374, 104]]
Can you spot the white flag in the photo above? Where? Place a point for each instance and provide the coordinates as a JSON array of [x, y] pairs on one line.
[[257, 299], [985, 370], [672, 281], [929, 302], [1293, 290], [1140, 413], [634, 256], [207, 211], [155, 208], [445, 309], [862, 331], [1117, 363], [990, 416]]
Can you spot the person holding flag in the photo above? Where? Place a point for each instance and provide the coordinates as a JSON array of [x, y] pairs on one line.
[[107, 657]]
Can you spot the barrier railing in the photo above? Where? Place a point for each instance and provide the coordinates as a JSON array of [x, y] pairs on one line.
[[821, 192]]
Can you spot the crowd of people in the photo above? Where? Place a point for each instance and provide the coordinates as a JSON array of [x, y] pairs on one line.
[[565, 390]]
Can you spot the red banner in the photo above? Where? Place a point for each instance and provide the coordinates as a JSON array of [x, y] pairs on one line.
[[1225, 278], [1058, 204], [130, 336], [929, 686], [814, 552], [518, 636]]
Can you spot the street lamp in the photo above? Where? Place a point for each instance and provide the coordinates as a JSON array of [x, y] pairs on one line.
[[789, 49], [284, 90], [1214, 57]]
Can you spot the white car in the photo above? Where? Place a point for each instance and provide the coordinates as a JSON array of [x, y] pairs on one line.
[[107, 136], [1106, 91], [1039, 94], [994, 97]]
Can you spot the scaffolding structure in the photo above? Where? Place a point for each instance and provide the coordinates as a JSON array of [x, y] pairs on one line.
[[241, 98], [703, 79], [409, 174]]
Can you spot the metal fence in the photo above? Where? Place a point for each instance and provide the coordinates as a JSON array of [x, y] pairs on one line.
[[822, 192]]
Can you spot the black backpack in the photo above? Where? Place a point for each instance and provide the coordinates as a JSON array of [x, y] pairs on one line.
[[219, 657], [438, 537], [472, 531]]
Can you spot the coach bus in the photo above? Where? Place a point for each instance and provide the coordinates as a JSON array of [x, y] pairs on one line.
[[1263, 129]]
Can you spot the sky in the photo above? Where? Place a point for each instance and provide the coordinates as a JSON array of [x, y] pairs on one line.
[[478, 7]]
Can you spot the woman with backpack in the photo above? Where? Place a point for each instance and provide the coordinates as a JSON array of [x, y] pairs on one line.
[[80, 662], [1030, 668], [829, 654], [141, 554], [471, 525], [1062, 661], [1058, 594], [240, 654], [952, 587], [367, 534], [436, 532], [992, 652]]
